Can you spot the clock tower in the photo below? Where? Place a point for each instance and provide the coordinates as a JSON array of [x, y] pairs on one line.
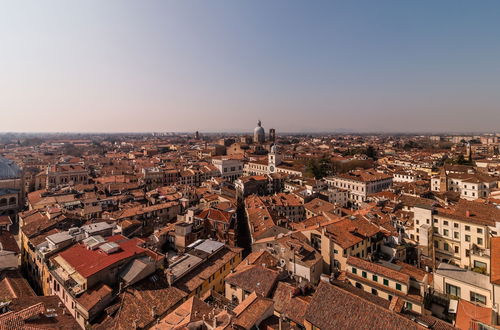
[[274, 159]]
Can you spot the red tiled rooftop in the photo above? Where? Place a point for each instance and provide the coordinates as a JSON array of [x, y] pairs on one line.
[[215, 215], [365, 176], [495, 257], [468, 313], [5, 220], [89, 262]]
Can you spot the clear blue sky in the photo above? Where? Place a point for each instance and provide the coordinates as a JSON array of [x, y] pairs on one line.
[[220, 65]]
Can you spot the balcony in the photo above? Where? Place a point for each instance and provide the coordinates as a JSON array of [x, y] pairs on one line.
[[478, 251], [67, 281]]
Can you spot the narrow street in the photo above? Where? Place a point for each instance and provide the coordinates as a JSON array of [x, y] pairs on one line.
[[242, 233]]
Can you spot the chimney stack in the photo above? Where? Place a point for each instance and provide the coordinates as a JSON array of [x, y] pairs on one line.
[[170, 277], [467, 214]]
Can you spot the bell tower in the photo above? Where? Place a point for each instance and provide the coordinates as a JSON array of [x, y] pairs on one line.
[[274, 159]]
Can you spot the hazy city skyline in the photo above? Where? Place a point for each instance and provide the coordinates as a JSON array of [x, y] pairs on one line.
[[130, 66]]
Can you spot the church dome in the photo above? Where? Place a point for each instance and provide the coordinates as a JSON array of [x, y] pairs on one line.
[[259, 135], [259, 130]]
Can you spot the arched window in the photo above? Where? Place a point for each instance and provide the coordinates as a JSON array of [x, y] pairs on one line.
[[3, 201], [12, 200]]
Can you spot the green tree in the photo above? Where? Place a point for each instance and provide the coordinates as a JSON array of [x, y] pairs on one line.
[[461, 160], [371, 153], [312, 168], [325, 167]]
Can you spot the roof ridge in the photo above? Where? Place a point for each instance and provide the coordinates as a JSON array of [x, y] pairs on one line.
[[369, 302]]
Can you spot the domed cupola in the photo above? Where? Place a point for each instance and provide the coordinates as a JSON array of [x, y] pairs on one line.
[[259, 135]]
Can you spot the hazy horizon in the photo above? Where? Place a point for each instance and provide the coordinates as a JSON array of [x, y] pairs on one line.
[[333, 132], [218, 66]]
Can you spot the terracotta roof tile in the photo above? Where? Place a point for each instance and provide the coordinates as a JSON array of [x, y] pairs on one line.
[[334, 308], [89, 262], [254, 278]]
